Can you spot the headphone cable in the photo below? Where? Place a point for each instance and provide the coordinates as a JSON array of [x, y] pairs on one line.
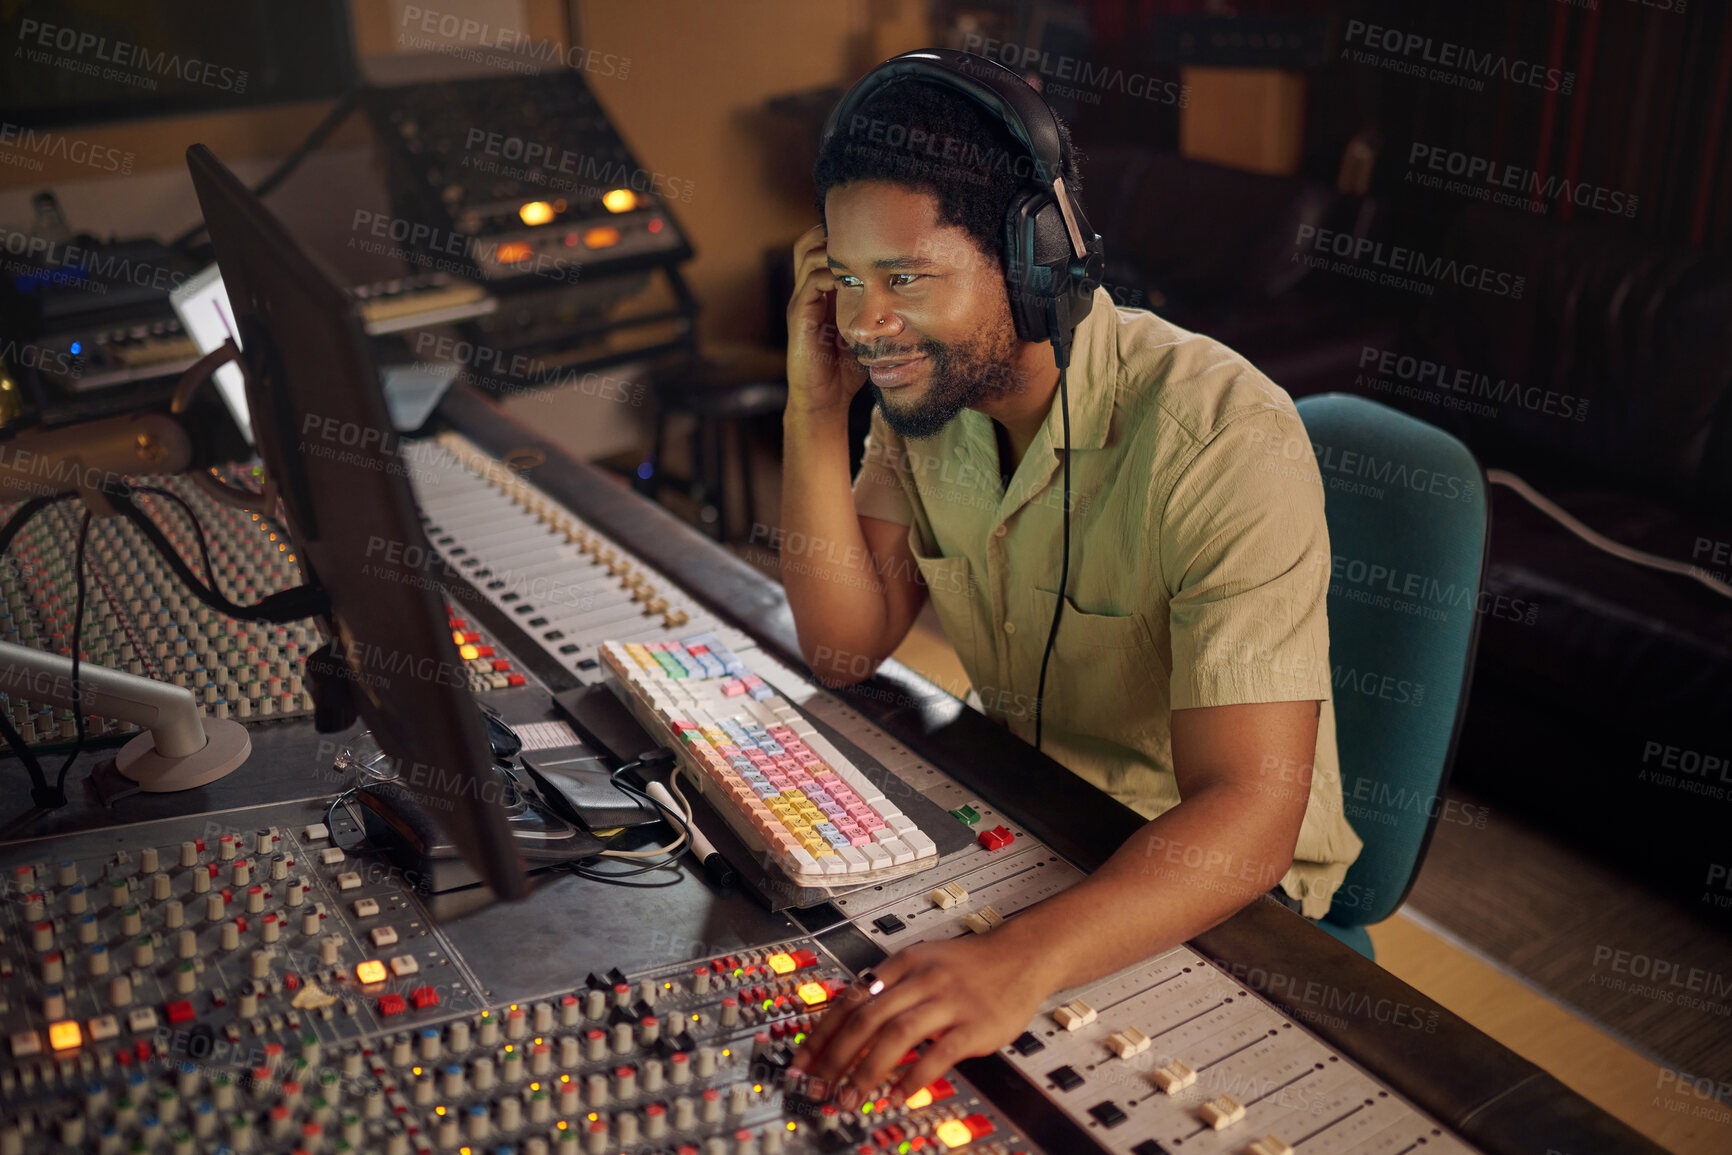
[[1064, 564]]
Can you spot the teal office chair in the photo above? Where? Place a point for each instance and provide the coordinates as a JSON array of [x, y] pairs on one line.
[[1408, 524]]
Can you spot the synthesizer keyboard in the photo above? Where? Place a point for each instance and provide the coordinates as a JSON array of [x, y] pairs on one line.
[[787, 792]]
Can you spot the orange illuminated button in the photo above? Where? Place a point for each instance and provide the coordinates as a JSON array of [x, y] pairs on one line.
[[813, 994], [953, 1133], [601, 237], [511, 252], [371, 971], [65, 1035]]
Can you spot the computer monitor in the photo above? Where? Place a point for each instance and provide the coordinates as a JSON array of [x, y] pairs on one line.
[[320, 425]]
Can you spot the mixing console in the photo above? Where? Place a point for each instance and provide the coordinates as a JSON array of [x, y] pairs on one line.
[[139, 617], [249, 985]]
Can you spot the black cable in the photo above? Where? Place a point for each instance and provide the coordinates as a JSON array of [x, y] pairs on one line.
[[338, 114], [41, 793], [1064, 565], [197, 529], [675, 819], [77, 638], [290, 605]]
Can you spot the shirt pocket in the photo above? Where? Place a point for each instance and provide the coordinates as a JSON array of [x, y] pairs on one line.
[[949, 583], [1103, 680]]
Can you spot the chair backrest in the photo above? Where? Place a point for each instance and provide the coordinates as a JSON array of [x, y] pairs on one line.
[[1408, 523]]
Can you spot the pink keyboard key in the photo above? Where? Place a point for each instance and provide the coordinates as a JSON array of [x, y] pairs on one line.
[[733, 688]]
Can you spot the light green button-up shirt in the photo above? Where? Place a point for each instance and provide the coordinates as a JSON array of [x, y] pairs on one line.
[[1199, 567]]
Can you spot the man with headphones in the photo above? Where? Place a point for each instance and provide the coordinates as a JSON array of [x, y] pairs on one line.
[[1075, 486]]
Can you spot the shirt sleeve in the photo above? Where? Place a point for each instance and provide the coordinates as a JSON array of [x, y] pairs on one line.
[[1245, 556], [878, 488]]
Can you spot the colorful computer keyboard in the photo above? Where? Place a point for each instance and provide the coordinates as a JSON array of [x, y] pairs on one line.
[[790, 795]]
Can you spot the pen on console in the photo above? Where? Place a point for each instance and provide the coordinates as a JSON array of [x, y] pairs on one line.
[[715, 866]]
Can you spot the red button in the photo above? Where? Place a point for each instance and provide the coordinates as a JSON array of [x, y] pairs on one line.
[[459, 624], [514, 679], [804, 958], [941, 1089], [179, 1012], [471, 636], [997, 838], [978, 1125], [424, 997], [484, 651], [392, 1005], [292, 981], [500, 665]]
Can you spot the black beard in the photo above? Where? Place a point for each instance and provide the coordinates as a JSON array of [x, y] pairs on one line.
[[961, 377]]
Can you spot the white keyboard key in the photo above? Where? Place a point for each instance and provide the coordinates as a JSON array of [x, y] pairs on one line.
[[803, 860], [922, 846], [899, 822], [856, 861], [876, 856], [899, 851], [833, 864]]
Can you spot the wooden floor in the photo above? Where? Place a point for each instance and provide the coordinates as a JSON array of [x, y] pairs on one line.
[[1491, 997]]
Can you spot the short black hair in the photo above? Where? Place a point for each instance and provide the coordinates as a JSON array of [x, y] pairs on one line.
[[934, 139]]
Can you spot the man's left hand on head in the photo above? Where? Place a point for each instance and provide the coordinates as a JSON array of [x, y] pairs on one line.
[[970, 996]]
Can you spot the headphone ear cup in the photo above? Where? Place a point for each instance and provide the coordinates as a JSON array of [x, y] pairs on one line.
[[1036, 261]]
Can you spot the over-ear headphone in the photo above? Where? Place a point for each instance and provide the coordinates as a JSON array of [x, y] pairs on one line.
[[1052, 258]]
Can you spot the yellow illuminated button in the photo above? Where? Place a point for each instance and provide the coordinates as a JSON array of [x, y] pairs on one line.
[[619, 200], [954, 1133], [919, 1099], [536, 213], [782, 963], [813, 993], [470, 653], [371, 971], [65, 1035]]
